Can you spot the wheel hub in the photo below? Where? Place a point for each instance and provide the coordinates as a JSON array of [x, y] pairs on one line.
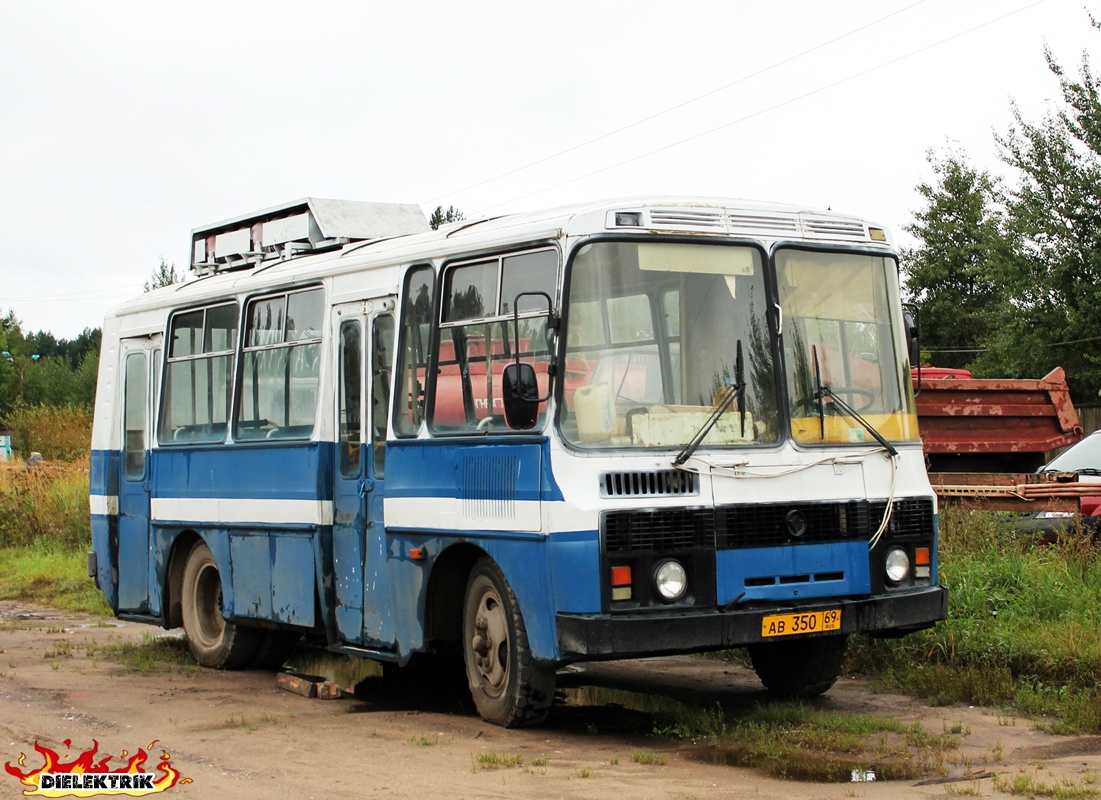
[[490, 644]]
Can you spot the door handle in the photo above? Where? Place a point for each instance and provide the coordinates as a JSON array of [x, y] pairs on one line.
[[367, 485]]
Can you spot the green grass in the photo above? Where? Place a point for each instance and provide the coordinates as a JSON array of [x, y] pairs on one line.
[[491, 760], [1022, 627], [50, 576], [153, 655], [1024, 784]]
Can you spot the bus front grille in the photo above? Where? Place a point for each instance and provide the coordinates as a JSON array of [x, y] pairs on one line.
[[664, 530], [761, 525]]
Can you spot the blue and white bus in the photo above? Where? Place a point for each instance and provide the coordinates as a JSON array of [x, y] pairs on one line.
[[641, 427]]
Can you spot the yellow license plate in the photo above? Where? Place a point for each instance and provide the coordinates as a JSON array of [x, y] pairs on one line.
[[809, 622]]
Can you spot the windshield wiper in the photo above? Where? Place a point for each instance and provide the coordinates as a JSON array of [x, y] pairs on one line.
[[818, 395], [849, 411], [734, 391], [825, 391]]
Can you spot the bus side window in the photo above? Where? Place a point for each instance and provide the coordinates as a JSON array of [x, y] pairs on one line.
[[381, 374], [281, 366], [134, 417], [351, 376], [416, 325], [201, 352], [478, 336]]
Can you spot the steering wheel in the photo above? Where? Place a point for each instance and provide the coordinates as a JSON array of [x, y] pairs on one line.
[[848, 393], [854, 392]]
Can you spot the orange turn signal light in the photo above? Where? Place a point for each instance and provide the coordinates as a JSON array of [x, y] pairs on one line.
[[621, 576], [921, 556], [417, 554]]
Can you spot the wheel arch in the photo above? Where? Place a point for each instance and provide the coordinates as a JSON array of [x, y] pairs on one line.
[[177, 559], [443, 604]]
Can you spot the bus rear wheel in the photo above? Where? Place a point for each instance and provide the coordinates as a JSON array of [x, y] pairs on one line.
[[214, 642], [508, 688], [800, 668]]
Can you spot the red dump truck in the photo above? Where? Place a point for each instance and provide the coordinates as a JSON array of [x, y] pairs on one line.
[[993, 425], [985, 439]]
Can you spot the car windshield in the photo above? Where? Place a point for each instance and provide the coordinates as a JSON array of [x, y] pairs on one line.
[[1084, 455]]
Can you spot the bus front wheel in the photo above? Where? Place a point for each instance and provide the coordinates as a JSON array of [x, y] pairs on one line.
[[800, 668], [508, 688], [214, 642]]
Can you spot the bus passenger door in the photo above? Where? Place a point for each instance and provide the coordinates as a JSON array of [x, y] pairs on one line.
[[364, 352], [134, 415]]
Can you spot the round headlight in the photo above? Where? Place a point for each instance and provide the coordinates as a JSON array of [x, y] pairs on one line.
[[897, 565], [671, 580]]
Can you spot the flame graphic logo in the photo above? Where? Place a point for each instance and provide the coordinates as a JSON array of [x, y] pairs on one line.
[[95, 778]]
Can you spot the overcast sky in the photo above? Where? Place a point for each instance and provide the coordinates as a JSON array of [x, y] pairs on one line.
[[125, 125]]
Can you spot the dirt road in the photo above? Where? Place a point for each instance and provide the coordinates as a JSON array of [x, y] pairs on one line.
[[236, 735]]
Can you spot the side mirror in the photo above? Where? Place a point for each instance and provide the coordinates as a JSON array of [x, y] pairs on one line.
[[913, 338], [913, 341], [521, 396]]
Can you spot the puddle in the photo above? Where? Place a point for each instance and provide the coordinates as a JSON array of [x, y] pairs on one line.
[[808, 767], [440, 687], [30, 615], [705, 736]]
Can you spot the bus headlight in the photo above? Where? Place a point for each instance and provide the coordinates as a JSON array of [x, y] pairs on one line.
[[897, 564], [671, 580]]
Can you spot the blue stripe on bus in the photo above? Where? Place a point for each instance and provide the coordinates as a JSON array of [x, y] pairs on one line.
[[497, 469], [796, 572], [104, 472], [302, 471]]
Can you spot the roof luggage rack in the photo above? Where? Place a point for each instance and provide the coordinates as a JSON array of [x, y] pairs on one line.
[[310, 225]]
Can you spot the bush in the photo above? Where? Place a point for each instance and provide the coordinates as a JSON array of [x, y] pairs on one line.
[[45, 505], [61, 433]]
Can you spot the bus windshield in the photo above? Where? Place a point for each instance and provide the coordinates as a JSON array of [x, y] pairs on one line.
[[658, 335], [842, 340]]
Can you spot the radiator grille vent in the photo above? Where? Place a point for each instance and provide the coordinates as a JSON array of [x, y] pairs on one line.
[[764, 525], [909, 517], [648, 484], [768, 525], [669, 529]]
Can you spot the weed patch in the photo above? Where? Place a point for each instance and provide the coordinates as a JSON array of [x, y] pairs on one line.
[[642, 757], [46, 505], [50, 576], [1021, 631], [796, 741], [484, 761], [153, 655]]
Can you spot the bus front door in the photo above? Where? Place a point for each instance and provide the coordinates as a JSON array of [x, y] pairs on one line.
[[138, 357], [364, 333]]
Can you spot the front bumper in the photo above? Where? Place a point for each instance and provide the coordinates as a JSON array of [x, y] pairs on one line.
[[628, 635]]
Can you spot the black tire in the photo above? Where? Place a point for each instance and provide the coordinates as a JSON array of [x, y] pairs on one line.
[[801, 668], [274, 648], [215, 642], [508, 688]]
